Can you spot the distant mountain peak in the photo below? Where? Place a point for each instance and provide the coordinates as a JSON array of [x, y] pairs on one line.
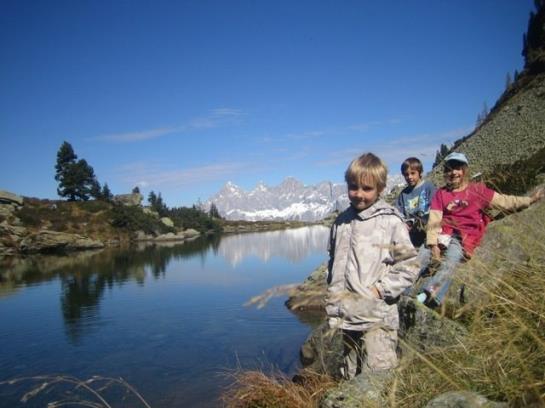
[[290, 200]]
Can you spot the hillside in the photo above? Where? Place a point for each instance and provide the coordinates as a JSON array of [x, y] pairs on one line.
[[509, 147]]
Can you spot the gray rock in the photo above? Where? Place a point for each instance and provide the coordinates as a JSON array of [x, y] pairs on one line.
[[191, 233], [53, 241], [167, 221], [322, 351], [7, 197], [422, 327], [133, 199], [365, 390], [463, 399], [310, 295]]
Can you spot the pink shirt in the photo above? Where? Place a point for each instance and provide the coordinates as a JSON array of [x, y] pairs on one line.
[[463, 212]]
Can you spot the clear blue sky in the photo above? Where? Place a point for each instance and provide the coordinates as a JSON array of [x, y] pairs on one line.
[[181, 96]]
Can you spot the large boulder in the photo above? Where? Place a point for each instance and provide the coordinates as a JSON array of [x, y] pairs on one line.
[[54, 241], [9, 198], [365, 390], [10, 238], [133, 199], [310, 295], [167, 221]]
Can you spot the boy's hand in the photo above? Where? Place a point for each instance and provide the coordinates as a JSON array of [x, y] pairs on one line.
[[435, 252], [375, 292], [538, 195]]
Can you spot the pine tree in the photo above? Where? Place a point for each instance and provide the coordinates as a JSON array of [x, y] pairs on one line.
[[136, 190], [214, 213], [106, 193], [533, 48], [508, 81], [76, 179], [96, 190], [152, 199]]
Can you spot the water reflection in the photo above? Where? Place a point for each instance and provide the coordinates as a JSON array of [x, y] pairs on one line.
[[85, 276], [294, 244], [142, 313]]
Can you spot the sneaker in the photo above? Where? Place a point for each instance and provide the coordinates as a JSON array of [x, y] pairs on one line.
[[421, 298]]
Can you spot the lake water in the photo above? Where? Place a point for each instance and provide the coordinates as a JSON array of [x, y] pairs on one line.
[[168, 319]]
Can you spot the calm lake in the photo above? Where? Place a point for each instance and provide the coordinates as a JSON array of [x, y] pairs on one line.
[[169, 319]]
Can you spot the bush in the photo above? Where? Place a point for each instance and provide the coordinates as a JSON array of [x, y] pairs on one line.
[[134, 219]]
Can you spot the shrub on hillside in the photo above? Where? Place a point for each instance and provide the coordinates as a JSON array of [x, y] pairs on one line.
[[133, 219]]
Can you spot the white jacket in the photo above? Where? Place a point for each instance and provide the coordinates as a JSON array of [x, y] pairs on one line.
[[369, 248]]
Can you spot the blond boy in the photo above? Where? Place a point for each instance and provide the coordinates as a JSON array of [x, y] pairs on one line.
[[372, 261]]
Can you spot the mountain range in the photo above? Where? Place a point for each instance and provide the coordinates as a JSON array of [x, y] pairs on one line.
[[290, 200]]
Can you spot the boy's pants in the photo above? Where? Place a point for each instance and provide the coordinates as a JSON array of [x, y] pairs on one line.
[[375, 348]]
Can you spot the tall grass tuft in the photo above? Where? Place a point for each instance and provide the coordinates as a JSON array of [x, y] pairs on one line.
[[503, 355], [257, 389]]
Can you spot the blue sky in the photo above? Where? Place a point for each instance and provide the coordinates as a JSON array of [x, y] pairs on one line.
[[181, 96]]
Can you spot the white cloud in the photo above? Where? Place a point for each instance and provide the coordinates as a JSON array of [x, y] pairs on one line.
[[154, 175], [215, 118]]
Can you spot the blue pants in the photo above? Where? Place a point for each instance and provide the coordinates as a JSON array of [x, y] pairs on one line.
[[438, 285]]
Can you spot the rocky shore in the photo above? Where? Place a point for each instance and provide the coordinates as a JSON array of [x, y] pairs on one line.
[[18, 238], [516, 239]]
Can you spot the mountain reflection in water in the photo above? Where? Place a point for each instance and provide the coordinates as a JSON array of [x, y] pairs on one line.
[[142, 313]]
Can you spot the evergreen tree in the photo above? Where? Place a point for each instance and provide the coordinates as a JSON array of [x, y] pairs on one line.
[[214, 213], [508, 81], [136, 190], [481, 117], [76, 179], [106, 193], [441, 154], [152, 199], [533, 48], [96, 190]]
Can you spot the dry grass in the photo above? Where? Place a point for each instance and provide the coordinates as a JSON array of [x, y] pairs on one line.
[[503, 356], [257, 389], [64, 390]]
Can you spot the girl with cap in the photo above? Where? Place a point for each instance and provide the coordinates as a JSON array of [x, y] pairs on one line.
[[458, 221]]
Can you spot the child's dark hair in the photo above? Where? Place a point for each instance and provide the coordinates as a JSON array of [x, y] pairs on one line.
[[412, 163]]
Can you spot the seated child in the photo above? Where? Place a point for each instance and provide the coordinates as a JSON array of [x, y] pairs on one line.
[[458, 222], [414, 200], [371, 262]]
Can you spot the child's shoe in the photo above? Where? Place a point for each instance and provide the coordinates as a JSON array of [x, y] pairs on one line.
[[422, 297]]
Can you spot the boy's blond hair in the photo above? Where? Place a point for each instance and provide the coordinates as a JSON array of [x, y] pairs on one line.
[[367, 169]]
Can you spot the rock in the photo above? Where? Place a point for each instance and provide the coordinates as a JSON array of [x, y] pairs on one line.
[[10, 238], [132, 199], [322, 351], [167, 221], [53, 241], [170, 236], [422, 327], [310, 295], [149, 211], [9, 198], [191, 233], [365, 390], [463, 399]]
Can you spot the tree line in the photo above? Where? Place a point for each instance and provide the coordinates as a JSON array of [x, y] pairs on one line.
[[77, 181]]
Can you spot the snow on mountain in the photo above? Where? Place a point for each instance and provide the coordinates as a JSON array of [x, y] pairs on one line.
[[291, 200]]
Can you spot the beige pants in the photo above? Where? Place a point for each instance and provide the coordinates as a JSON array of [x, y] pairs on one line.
[[375, 349]]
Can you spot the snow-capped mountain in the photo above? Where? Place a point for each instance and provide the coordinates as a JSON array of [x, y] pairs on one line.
[[291, 200]]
